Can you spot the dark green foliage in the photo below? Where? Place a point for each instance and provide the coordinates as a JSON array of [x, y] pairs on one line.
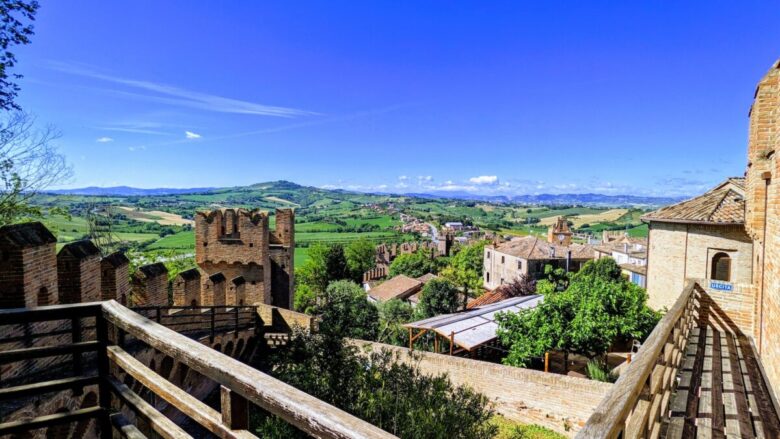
[[413, 264], [465, 269], [336, 263], [392, 315], [361, 257], [15, 30], [599, 371], [439, 296], [599, 307], [345, 312], [377, 388]]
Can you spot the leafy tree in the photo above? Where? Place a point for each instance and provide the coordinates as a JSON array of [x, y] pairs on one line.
[[336, 264], [345, 312], [412, 264], [361, 257], [599, 307], [465, 269], [313, 273], [439, 296], [392, 315], [305, 298], [380, 388], [29, 162], [15, 29]]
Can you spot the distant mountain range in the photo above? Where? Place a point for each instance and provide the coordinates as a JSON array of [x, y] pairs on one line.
[[589, 199]]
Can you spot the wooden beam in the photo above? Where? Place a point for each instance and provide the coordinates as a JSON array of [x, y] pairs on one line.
[[125, 429], [192, 407], [47, 387], [16, 316], [49, 420], [235, 409], [163, 426], [12, 355], [307, 413]]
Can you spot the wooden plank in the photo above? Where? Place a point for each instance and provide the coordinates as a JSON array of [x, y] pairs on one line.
[[44, 387], [234, 408], [692, 402], [740, 397], [192, 407], [675, 428], [125, 429], [49, 420], [718, 417], [309, 414], [13, 355], [17, 316], [159, 423], [764, 406]]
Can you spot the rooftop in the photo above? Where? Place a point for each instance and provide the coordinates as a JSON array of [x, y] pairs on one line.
[[399, 287], [724, 204], [532, 247]]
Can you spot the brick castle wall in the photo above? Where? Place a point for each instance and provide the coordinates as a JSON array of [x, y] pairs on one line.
[[78, 279], [28, 277], [558, 402]]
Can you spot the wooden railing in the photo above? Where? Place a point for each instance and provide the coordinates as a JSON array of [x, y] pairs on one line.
[[636, 404], [202, 319], [240, 384]]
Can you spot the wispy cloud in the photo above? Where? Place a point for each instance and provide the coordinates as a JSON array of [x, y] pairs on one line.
[[104, 139], [191, 135], [172, 95]]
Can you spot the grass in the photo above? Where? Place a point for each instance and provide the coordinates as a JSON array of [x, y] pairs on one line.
[[181, 240], [514, 430], [301, 256]]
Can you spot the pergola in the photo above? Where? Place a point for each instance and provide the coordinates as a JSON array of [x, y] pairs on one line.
[[471, 328]]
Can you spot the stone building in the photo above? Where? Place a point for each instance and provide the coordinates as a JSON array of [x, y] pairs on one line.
[[239, 243], [28, 266], [527, 256], [762, 217], [702, 238], [78, 272], [559, 233], [629, 253], [115, 277], [150, 285], [186, 288]]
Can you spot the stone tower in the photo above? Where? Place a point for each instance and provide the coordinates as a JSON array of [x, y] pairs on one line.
[[559, 233], [445, 244], [239, 243], [28, 266]]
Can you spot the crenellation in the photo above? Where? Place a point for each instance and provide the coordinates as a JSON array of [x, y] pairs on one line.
[[115, 277], [150, 285], [78, 272], [28, 266]]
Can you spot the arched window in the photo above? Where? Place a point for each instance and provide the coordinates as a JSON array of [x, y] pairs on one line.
[[721, 267]]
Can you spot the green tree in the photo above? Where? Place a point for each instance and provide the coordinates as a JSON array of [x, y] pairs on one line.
[[465, 269], [313, 273], [305, 298], [345, 312], [336, 264], [361, 257], [16, 28], [439, 296], [412, 264], [392, 315], [599, 307]]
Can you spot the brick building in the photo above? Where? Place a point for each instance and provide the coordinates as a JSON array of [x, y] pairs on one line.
[[150, 285], [78, 272], [115, 277], [28, 266], [239, 243], [559, 233]]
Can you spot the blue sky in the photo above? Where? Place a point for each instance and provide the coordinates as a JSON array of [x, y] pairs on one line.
[[487, 97]]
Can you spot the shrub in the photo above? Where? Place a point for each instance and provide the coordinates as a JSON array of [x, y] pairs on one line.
[[599, 371]]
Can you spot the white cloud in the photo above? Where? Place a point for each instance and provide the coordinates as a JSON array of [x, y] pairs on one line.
[[424, 179], [403, 178], [191, 135], [484, 179], [104, 139], [172, 95]]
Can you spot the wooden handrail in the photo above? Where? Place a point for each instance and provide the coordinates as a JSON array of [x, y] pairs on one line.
[[298, 408], [611, 415], [15, 316]]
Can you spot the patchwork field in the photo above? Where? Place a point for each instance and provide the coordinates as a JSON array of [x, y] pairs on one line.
[[155, 216], [588, 218]]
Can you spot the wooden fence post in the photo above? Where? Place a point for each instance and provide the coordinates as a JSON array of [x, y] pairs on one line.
[[546, 361], [234, 409]]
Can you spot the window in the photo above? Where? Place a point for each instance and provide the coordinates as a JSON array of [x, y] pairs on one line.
[[721, 267], [487, 277], [519, 265], [502, 259], [488, 255]]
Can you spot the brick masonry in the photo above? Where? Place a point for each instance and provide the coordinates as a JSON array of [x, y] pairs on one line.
[[28, 270], [558, 402]]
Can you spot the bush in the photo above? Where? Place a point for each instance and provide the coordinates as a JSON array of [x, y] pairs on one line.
[[599, 371], [534, 432]]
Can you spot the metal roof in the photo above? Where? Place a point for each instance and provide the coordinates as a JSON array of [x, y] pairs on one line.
[[475, 326]]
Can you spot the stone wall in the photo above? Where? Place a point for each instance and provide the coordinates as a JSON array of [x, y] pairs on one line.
[[763, 218], [558, 402], [680, 251]]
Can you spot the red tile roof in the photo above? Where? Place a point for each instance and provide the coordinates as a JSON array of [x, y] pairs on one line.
[[724, 204]]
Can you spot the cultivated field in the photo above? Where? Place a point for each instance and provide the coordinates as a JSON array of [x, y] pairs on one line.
[[589, 218], [155, 216]]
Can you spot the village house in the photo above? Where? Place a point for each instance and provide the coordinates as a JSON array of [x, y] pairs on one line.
[[702, 238], [630, 254], [399, 287]]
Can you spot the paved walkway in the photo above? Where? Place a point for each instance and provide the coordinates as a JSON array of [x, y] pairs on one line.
[[720, 392]]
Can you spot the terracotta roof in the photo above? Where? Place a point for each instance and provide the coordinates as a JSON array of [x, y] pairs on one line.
[[724, 204], [427, 277], [153, 270], [533, 248], [27, 235], [191, 274], [81, 249], [116, 259], [399, 287], [489, 297]]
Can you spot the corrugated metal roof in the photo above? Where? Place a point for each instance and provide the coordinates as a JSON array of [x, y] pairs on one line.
[[475, 326]]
